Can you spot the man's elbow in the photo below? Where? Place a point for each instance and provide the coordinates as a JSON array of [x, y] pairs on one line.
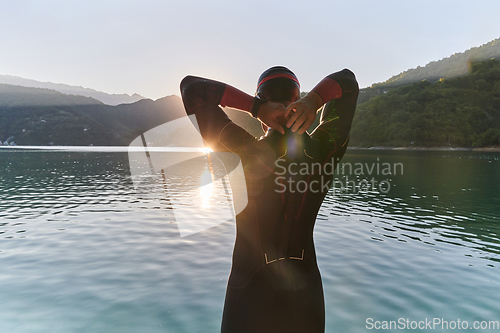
[[350, 81], [186, 83]]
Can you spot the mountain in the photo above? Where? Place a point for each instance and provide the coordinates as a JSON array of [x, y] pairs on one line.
[[458, 64], [110, 99], [36, 116], [461, 111], [451, 107], [14, 96]]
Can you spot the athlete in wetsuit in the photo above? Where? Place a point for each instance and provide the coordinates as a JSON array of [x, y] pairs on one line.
[[274, 284]]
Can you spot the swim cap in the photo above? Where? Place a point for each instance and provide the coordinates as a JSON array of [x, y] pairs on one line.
[[278, 84], [275, 72]]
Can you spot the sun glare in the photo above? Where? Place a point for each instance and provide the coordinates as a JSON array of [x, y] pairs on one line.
[[206, 150]]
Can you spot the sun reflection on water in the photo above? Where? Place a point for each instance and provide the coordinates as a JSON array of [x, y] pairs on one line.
[[206, 181], [206, 188]]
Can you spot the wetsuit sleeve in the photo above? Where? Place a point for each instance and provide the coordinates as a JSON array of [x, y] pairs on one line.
[[202, 98], [340, 93]]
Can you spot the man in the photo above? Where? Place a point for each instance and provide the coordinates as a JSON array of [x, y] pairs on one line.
[[275, 284]]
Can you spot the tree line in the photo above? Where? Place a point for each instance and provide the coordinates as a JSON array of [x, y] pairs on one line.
[[462, 111]]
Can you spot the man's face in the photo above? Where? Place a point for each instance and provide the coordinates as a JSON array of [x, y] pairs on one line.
[[294, 96], [280, 90]]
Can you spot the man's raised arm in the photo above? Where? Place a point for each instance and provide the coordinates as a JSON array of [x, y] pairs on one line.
[[340, 88], [197, 92]]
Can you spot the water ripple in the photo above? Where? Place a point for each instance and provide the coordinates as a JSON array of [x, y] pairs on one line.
[[81, 248]]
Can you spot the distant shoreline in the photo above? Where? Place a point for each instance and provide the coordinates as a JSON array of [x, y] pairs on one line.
[[494, 149]]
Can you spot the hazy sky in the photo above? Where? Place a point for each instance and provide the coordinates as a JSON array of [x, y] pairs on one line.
[[147, 47]]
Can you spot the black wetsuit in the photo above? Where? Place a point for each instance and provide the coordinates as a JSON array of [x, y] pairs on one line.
[[275, 284]]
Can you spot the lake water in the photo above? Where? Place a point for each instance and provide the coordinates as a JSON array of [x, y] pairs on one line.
[[82, 251]]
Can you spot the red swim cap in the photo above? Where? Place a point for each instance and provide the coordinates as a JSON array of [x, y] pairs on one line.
[[275, 72], [278, 84]]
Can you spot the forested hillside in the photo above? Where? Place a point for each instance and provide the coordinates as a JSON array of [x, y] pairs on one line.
[[462, 111], [34, 116], [459, 64]]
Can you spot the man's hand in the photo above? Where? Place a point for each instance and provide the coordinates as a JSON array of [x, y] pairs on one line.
[[301, 114], [273, 115]]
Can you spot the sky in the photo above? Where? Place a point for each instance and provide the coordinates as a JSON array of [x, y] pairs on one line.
[[147, 47]]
